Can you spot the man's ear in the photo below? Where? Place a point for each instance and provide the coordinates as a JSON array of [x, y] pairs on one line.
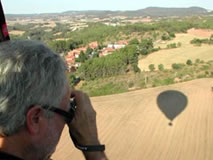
[[34, 119]]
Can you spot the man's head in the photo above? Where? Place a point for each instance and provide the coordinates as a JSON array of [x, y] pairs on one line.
[[30, 74]]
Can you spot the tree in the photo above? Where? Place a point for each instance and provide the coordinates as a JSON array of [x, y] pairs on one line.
[[58, 46], [165, 37], [146, 43], [189, 62], [172, 45], [172, 34], [73, 44], [196, 42], [151, 67], [134, 41], [95, 54], [161, 67], [82, 57], [177, 65], [197, 60], [89, 51], [146, 46]]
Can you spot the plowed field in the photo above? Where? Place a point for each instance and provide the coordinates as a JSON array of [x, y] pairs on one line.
[[134, 128]]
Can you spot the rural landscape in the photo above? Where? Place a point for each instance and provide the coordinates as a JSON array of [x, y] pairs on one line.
[[149, 74]]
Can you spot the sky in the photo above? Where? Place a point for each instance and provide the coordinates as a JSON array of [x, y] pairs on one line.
[[52, 6]]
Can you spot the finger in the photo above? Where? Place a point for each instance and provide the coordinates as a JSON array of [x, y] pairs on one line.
[[73, 93]]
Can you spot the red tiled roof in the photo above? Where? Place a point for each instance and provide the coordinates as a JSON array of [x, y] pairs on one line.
[[93, 45], [125, 42]]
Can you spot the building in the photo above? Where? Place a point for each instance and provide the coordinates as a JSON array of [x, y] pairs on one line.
[[106, 51], [118, 45], [93, 45], [72, 55]]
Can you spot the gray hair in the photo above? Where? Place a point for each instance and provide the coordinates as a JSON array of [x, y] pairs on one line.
[[30, 74]]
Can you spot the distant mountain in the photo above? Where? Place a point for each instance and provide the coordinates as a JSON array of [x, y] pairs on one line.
[[165, 12], [150, 11]]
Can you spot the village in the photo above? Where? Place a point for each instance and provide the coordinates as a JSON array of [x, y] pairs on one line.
[[72, 55]]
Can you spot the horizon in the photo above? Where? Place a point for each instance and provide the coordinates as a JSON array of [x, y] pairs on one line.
[[99, 10], [39, 6]]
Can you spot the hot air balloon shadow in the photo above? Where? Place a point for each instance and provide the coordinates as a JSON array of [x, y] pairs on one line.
[[172, 103]]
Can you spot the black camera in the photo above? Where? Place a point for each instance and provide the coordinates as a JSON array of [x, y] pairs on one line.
[[73, 107]]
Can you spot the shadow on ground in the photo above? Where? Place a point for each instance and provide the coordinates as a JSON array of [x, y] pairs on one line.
[[172, 103]]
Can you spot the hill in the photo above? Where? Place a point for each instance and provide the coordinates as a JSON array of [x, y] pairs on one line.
[[165, 12], [150, 11], [133, 127]]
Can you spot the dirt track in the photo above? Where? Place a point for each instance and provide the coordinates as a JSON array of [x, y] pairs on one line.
[[133, 127]]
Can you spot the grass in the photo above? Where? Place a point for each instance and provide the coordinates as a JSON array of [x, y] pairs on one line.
[[205, 67], [108, 89], [105, 86], [163, 82]]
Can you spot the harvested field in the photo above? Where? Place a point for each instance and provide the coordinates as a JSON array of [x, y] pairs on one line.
[[134, 128], [183, 38], [205, 33], [177, 55]]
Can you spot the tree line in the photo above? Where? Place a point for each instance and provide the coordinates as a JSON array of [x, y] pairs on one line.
[[199, 42]]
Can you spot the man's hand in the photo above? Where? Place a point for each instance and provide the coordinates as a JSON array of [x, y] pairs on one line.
[[83, 126]]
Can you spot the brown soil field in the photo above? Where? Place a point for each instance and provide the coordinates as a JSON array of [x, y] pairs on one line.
[[200, 32], [177, 55], [134, 128]]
